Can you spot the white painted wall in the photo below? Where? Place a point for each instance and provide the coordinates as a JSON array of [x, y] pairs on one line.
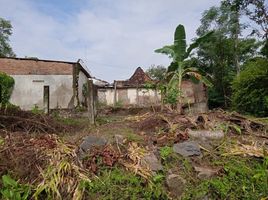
[[27, 92]]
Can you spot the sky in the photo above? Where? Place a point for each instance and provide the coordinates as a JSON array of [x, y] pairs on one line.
[[113, 37]]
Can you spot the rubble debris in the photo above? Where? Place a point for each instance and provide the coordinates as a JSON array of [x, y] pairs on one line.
[[187, 148]]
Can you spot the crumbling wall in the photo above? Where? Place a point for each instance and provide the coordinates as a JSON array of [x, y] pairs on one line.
[[82, 85]]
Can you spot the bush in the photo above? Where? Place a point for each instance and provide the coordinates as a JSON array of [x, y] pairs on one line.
[[6, 87], [250, 88]]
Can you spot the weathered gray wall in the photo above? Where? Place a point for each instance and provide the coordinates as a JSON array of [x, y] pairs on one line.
[[194, 96], [29, 90], [82, 79], [129, 96]]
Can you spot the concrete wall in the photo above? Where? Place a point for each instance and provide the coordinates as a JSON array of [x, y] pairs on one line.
[[29, 91], [82, 79], [129, 96]]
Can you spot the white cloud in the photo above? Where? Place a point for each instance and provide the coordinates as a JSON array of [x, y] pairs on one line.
[[112, 37]]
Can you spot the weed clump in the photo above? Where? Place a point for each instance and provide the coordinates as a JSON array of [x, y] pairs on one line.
[[242, 179], [120, 184]]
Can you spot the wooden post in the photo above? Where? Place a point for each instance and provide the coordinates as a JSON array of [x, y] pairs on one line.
[[115, 99], [90, 102]]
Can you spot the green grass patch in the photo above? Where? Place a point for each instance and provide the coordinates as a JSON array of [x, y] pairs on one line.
[[120, 184], [80, 122], [242, 179], [101, 120]]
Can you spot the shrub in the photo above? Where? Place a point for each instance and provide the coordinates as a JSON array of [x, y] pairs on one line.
[[6, 87], [13, 190], [250, 88]]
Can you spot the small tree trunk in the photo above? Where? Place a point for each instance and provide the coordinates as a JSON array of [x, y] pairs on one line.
[[179, 104]]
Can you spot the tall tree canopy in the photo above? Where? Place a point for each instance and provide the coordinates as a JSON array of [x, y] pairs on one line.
[[5, 33], [157, 72], [224, 53]]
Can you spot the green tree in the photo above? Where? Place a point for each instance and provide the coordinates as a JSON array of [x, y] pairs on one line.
[[250, 88], [179, 52], [216, 55], [5, 33], [156, 72]]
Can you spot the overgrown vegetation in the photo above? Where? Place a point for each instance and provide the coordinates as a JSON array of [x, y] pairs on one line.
[[6, 87], [12, 190], [242, 178], [250, 88], [120, 184]]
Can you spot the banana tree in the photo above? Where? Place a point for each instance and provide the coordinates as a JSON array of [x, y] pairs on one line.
[[179, 52]]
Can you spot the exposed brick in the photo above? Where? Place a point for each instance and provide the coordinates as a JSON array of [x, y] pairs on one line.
[[37, 67]]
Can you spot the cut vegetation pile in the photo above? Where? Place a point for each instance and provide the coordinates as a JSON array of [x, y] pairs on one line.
[[14, 119], [145, 156]]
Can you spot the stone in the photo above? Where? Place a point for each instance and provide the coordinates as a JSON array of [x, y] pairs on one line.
[[187, 148], [150, 160], [91, 141], [205, 172], [175, 184], [205, 134]]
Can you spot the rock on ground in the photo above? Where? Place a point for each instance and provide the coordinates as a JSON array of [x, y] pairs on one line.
[[175, 184], [205, 172], [150, 160], [187, 148], [205, 134], [89, 142]]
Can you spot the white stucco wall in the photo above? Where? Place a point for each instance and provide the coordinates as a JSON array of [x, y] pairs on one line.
[[29, 91], [107, 96], [132, 95], [82, 79]]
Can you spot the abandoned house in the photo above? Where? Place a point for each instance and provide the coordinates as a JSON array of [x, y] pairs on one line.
[[46, 84], [133, 92]]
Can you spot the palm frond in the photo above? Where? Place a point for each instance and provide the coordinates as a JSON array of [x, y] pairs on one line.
[[180, 43], [168, 50]]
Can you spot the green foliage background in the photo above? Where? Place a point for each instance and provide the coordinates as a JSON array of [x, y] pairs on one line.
[[6, 87], [250, 88]]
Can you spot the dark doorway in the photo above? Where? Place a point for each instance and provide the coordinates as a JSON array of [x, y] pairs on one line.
[[46, 99]]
